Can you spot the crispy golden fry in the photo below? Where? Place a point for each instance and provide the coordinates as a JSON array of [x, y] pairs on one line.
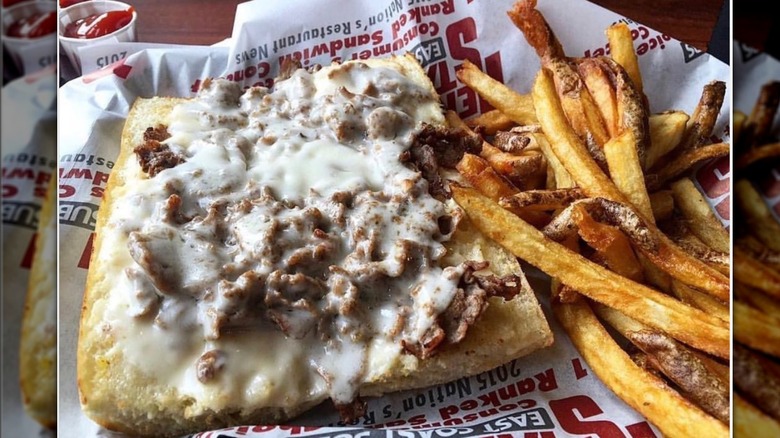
[[626, 172], [756, 154], [697, 249], [621, 46], [541, 200], [518, 107], [758, 251], [536, 30], [756, 214], [705, 115], [599, 84], [647, 239], [632, 109], [641, 390], [757, 299], [491, 122], [738, 123], [562, 177], [701, 220], [666, 133], [756, 376], [610, 243], [577, 103], [653, 308], [749, 421], [687, 161], [753, 273], [524, 171], [759, 124], [675, 361], [565, 143], [484, 178], [756, 329], [662, 203], [701, 301]]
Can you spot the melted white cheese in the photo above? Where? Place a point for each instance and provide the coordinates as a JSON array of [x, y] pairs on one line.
[[263, 180]]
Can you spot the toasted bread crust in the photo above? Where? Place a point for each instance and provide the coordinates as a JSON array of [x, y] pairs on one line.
[[121, 397], [38, 345]]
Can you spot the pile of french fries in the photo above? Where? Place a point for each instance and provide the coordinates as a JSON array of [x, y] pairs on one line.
[[756, 273], [580, 181]]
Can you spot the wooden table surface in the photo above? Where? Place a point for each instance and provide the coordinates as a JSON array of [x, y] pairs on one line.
[[210, 21]]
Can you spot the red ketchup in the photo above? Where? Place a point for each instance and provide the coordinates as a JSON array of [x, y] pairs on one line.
[[34, 26], [66, 3], [98, 25]]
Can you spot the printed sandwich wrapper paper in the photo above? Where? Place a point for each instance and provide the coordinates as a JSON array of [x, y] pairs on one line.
[[753, 69], [549, 393], [29, 128]]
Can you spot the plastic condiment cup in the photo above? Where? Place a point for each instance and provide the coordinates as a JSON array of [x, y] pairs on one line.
[[30, 54], [78, 11]]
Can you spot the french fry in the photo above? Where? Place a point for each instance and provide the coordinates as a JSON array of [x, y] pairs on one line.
[[754, 375], [626, 172], [577, 103], [641, 390], [738, 123], [621, 46], [757, 299], [751, 272], [647, 239], [662, 203], [610, 243], [756, 154], [675, 361], [517, 107], [756, 214], [484, 178], [524, 171], [491, 122], [759, 123], [666, 132], [650, 307], [758, 251], [701, 301], [702, 121], [756, 329], [541, 200], [632, 109], [536, 30], [562, 177], [701, 220], [599, 85], [750, 421], [687, 161]]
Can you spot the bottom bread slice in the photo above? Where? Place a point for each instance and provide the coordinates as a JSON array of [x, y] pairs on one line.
[[38, 344], [130, 373]]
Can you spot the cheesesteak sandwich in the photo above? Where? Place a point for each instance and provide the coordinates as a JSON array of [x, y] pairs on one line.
[[260, 252]]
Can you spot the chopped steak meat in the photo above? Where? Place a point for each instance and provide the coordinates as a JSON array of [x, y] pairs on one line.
[[155, 157], [158, 133], [436, 147], [467, 305]]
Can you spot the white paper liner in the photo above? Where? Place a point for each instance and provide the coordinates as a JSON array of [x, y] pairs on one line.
[[94, 108], [29, 162]]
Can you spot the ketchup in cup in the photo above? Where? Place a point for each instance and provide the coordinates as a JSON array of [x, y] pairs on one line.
[[98, 25], [66, 3], [34, 26]]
